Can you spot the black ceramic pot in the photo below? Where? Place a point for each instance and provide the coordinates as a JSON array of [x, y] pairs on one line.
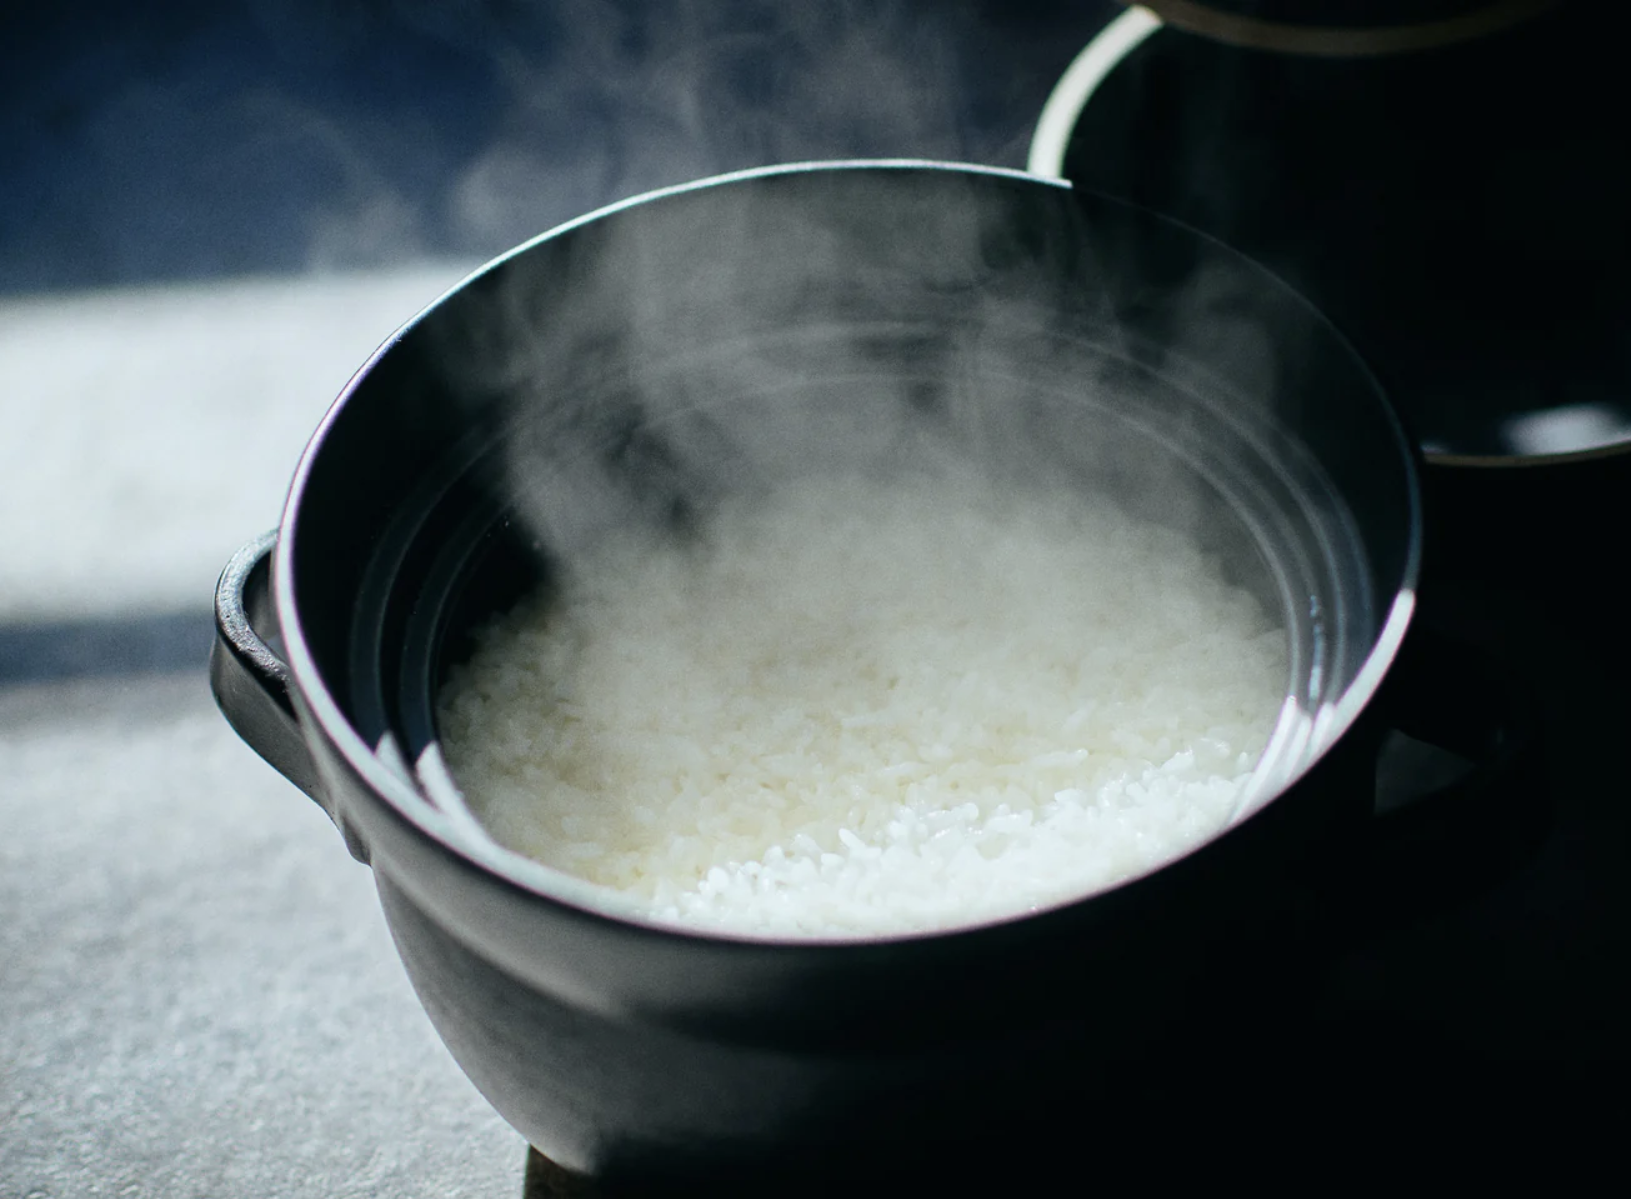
[[1445, 181], [747, 331]]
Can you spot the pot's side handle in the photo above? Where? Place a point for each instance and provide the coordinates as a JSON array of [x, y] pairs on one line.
[[250, 681], [1466, 835]]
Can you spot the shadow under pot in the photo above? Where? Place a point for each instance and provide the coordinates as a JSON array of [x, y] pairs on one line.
[[652, 365]]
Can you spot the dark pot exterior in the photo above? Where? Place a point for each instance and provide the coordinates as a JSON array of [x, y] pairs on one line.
[[634, 1053]]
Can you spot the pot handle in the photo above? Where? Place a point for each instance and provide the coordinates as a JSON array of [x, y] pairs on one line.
[[249, 679], [1464, 836]]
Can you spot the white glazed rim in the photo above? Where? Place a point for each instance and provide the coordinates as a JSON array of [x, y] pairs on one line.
[[1076, 86]]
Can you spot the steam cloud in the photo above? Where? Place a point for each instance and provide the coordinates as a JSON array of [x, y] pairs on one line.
[[637, 96], [890, 325], [735, 337], [731, 339], [598, 100]]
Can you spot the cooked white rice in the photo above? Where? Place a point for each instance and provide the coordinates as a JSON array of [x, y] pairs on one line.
[[870, 710]]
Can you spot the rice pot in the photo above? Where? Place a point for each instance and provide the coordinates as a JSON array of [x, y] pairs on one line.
[[743, 333]]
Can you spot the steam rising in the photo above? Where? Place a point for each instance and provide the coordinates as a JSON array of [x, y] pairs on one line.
[[907, 322], [738, 336], [881, 320], [633, 97]]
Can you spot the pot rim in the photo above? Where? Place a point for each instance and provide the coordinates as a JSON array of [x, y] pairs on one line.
[[448, 831]]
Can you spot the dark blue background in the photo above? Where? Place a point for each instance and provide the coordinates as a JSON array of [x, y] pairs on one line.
[[186, 140]]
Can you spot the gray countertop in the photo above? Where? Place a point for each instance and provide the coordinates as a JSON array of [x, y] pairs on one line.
[[198, 995]]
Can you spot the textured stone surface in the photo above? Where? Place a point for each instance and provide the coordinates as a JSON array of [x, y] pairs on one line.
[[198, 995]]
